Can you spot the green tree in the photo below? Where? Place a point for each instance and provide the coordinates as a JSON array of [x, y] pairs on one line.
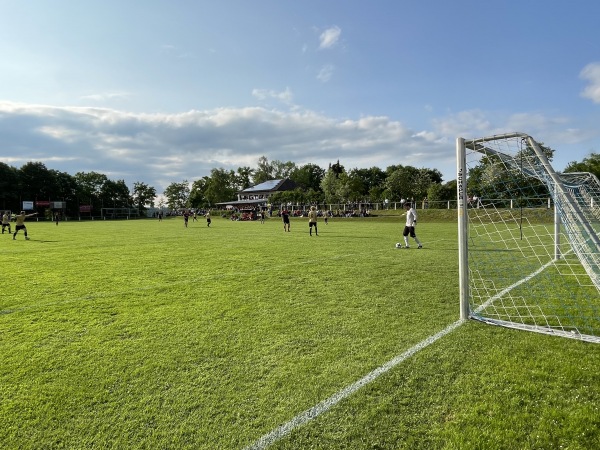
[[329, 187], [264, 172], [439, 194], [197, 197], [337, 168], [589, 164], [115, 194], [398, 184], [282, 169], [89, 188], [9, 187], [35, 181], [308, 176], [65, 189], [143, 195], [244, 178], [177, 195], [221, 186]]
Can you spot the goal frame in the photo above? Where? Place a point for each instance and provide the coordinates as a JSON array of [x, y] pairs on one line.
[[563, 199]]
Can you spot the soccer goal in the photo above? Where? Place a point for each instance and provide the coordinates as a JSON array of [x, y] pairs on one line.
[[119, 213], [529, 246]]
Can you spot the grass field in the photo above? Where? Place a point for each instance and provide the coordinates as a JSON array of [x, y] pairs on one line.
[[146, 335]]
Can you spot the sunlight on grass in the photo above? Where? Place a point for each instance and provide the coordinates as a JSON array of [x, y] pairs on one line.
[[145, 334]]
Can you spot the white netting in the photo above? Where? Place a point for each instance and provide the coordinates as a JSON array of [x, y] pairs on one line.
[[529, 268]]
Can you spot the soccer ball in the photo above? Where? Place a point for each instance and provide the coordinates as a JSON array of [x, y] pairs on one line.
[[398, 245]]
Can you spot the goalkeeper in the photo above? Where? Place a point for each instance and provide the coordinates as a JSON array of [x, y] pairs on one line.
[[409, 228]]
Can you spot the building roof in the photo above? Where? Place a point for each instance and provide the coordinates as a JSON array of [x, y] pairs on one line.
[[284, 184]]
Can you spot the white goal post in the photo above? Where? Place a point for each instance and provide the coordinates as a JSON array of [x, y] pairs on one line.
[[529, 246]]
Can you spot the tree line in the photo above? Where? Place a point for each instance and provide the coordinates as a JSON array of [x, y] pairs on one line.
[[315, 185]]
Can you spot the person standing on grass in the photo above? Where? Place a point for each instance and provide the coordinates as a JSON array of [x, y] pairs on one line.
[[6, 221], [285, 217], [207, 215], [409, 228], [312, 220], [20, 225], [186, 218]]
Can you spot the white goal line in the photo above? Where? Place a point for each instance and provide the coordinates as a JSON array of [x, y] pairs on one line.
[[325, 405]]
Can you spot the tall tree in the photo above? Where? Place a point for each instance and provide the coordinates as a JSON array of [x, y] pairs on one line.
[[244, 178], [177, 195], [398, 184], [197, 193], [439, 193], [221, 186], [115, 194], [309, 176], [9, 187], [282, 169], [329, 187], [89, 187], [143, 195], [590, 164], [35, 181], [264, 171], [357, 186]]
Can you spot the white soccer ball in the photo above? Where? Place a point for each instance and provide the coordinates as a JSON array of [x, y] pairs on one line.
[[398, 245]]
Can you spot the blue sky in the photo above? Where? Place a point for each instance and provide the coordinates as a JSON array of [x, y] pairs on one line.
[[163, 91]]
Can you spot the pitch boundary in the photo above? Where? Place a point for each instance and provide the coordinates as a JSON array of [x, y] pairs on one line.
[[324, 406]]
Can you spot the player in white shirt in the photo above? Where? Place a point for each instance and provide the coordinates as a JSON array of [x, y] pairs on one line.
[[409, 228]]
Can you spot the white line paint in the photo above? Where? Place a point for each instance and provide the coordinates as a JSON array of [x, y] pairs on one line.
[[327, 404], [324, 406]]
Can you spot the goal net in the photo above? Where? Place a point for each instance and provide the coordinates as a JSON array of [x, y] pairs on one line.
[[119, 213], [529, 246]]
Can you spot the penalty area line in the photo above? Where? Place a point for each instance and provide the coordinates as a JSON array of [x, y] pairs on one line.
[[322, 407]]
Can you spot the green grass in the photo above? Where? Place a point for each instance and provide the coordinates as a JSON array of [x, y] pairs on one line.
[[144, 335]]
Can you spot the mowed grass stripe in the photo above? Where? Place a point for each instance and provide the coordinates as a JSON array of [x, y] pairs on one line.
[[229, 318]]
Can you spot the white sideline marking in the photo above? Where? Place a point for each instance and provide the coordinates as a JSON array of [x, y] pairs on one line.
[[325, 405]]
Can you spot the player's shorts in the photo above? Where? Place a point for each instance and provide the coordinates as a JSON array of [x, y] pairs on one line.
[[409, 230], [312, 224], [286, 220]]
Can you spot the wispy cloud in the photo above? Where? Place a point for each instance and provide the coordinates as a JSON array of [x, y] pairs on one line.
[[325, 73], [102, 97], [330, 37], [285, 96], [591, 73]]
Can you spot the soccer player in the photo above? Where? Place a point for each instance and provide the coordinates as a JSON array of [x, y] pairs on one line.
[[409, 228], [312, 220], [207, 215], [285, 217], [186, 217], [20, 225], [6, 221]]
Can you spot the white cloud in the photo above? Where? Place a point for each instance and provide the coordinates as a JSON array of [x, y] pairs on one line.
[[162, 148], [325, 73], [106, 96], [285, 96], [330, 37], [591, 73], [159, 149]]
